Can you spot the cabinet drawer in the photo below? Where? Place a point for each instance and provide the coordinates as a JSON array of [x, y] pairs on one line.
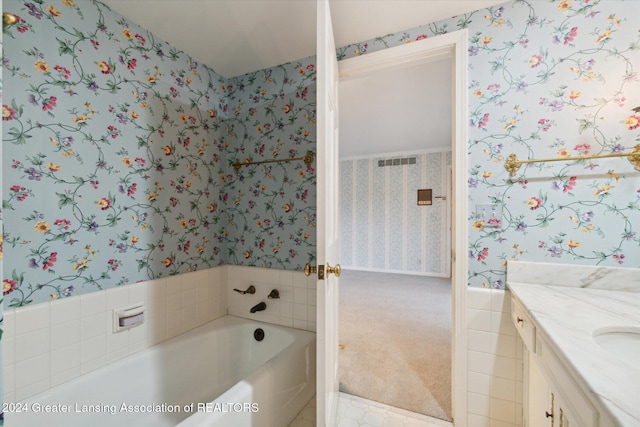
[[524, 325]]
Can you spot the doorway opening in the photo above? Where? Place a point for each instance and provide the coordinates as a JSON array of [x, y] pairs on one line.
[[363, 66], [395, 291]]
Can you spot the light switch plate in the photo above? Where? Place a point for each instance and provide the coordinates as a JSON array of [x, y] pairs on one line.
[[486, 212]]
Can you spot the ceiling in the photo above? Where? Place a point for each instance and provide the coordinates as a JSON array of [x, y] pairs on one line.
[[396, 111], [382, 113], [235, 37]]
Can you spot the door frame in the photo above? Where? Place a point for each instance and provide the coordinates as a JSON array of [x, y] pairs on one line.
[[448, 222], [447, 46]]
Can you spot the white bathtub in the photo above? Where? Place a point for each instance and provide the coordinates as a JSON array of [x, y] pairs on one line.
[[215, 375]]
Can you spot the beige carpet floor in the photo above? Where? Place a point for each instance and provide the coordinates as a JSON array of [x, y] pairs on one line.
[[395, 339]]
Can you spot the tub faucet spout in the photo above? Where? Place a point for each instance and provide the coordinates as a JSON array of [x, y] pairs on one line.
[[258, 307]]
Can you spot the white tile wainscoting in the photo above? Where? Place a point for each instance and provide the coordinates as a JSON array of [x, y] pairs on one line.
[[50, 343], [296, 306], [495, 360]]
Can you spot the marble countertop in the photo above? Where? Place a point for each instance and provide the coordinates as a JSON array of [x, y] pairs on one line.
[[568, 316]]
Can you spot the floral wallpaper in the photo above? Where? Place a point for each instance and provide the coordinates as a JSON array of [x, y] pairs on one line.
[[111, 154], [548, 79], [381, 225], [270, 209], [117, 147], [117, 151], [1, 295]]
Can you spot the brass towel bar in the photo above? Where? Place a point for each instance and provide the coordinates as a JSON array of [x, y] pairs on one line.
[[8, 19], [512, 164], [307, 159]]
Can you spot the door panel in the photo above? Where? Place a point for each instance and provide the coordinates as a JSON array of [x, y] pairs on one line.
[[327, 220]]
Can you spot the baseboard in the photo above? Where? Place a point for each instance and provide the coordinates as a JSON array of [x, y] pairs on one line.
[[412, 273]]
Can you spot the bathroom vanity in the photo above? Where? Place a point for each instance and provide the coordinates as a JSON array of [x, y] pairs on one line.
[[580, 326]]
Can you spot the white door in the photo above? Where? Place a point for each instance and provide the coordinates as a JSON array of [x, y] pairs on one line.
[[327, 220]]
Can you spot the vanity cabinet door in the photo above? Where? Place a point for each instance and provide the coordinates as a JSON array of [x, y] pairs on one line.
[[576, 407], [543, 405], [539, 399]]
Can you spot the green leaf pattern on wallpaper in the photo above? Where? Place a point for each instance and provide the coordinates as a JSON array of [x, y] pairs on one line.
[[272, 205], [117, 152], [548, 79], [131, 141]]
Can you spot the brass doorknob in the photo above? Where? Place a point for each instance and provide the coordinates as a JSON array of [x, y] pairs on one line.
[[335, 270], [308, 269]]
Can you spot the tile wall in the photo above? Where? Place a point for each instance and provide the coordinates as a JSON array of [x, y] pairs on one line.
[[296, 306], [494, 377], [50, 343]]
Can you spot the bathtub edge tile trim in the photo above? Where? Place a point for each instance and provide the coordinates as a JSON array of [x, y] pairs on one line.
[[63, 321]]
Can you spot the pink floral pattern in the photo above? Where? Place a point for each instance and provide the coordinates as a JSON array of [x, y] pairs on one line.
[[117, 147], [548, 80], [118, 151]]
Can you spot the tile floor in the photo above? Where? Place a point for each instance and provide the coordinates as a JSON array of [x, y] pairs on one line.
[[354, 411]]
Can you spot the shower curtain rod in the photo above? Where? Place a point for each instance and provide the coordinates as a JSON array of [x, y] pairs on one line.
[[307, 159], [513, 164]]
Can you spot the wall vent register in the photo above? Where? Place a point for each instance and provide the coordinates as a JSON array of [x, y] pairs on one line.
[[397, 162]]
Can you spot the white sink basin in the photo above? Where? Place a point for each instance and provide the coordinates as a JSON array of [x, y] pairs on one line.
[[622, 342]]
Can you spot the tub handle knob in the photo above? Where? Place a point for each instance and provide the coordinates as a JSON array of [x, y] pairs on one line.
[[250, 290], [274, 294]]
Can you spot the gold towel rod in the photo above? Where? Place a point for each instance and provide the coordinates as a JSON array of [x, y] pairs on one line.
[[512, 164], [8, 19], [307, 159]]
